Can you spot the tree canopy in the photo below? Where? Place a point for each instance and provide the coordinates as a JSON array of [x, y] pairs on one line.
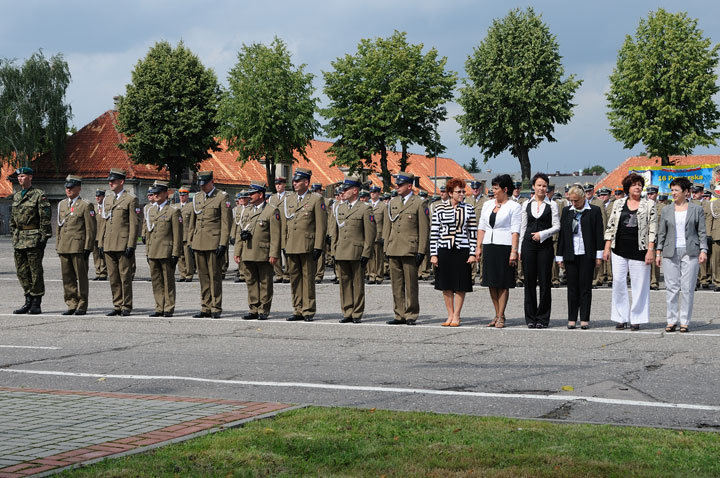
[[33, 114], [385, 97], [595, 169], [268, 110], [514, 93], [661, 91], [168, 112]]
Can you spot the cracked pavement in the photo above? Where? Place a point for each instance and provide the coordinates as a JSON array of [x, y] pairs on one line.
[[645, 366]]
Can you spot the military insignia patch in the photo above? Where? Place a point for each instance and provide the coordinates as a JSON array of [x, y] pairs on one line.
[[180, 219], [137, 210], [427, 211], [92, 213], [322, 206], [227, 204], [372, 218], [277, 215]]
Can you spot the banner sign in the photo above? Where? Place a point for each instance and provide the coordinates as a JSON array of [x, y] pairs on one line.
[[662, 176]]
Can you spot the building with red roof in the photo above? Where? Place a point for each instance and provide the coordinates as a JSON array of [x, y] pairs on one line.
[[614, 178]]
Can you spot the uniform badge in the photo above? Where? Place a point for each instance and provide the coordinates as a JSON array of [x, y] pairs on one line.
[[137, 210], [427, 211], [180, 219], [227, 204], [277, 215], [372, 218], [92, 213], [322, 205]]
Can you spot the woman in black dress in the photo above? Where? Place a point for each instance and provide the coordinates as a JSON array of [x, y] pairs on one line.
[[453, 234]]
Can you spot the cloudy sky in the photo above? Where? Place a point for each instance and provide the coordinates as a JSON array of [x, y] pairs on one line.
[[102, 41]]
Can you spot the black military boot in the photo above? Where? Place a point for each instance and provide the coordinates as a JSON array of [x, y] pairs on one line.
[[24, 309], [35, 305]]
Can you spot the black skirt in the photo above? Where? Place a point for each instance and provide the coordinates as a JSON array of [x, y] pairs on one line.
[[497, 272], [453, 272]]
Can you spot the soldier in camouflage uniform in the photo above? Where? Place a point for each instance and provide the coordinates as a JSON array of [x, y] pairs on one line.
[[30, 228]]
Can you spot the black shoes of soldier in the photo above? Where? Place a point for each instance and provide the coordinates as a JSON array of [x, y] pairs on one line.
[[201, 315], [308, 318], [113, 313], [295, 318], [35, 305], [80, 312], [250, 316], [345, 320], [156, 314], [262, 317], [397, 322], [26, 306], [69, 312], [215, 315]]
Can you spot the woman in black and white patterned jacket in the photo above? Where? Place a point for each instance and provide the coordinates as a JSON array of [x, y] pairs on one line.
[[453, 238]]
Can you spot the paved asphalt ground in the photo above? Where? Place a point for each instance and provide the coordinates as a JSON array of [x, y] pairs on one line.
[[600, 375]]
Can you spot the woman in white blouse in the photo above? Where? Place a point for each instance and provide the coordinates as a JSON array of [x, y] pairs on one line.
[[497, 242], [540, 221], [681, 247]]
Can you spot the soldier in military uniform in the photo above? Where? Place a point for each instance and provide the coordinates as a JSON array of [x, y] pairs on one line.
[[260, 251], [276, 201], [652, 194], [30, 229], [353, 238], [477, 199], [704, 276], [76, 234], [242, 200], [99, 259], [163, 225], [208, 237], [119, 238], [304, 226], [186, 262], [316, 188], [375, 266], [406, 232], [589, 189]]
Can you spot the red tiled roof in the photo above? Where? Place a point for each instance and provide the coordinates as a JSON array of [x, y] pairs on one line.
[[615, 177], [93, 150], [5, 184]]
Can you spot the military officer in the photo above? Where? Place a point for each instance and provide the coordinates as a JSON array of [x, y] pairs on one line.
[[260, 251], [208, 237], [477, 199], [304, 226], [99, 259], [406, 231], [652, 194], [186, 262], [163, 226], [316, 188], [76, 234], [375, 266], [713, 234], [119, 238], [276, 201], [589, 189], [242, 199], [704, 276], [353, 238], [30, 228]]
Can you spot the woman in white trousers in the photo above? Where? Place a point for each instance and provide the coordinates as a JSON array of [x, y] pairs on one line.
[[681, 247], [630, 242]]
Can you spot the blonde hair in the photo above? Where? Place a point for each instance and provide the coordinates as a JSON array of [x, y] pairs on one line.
[[576, 191]]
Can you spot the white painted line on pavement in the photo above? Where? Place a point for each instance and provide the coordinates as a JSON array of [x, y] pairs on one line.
[[360, 388], [27, 347]]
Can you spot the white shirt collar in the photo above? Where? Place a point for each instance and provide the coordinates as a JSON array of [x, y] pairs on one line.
[[160, 206], [405, 198]]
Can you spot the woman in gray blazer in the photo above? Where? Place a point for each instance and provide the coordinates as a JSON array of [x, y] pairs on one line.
[[681, 247]]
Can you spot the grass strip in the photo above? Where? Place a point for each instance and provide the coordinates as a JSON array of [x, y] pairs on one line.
[[349, 442]]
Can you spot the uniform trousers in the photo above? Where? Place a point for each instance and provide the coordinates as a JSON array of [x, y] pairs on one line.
[[623, 311], [375, 265], [74, 269], [209, 269], [680, 279], [654, 275], [352, 288], [404, 283], [320, 271], [28, 265], [186, 263], [579, 274], [715, 261], [120, 274], [280, 267], [302, 269], [162, 275], [259, 281], [99, 261], [476, 271], [537, 261]]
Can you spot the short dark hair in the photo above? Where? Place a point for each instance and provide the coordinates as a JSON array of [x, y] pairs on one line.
[[542, 176], [453, 184], [503, 181], [683, 182], [630, 180]]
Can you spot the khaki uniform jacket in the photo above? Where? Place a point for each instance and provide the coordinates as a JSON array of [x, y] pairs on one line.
[[121, 222], [713, 234], [379, 216], [355, 234], [304, 223], [144, 231], [264, 226], [407, 227], [76, 227], [99, 224], [164, 232], [598, 202], [186, 211], [30, 219], [210, 221]]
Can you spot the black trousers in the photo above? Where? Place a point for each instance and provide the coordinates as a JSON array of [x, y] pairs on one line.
[[580, 274], [537, 261]]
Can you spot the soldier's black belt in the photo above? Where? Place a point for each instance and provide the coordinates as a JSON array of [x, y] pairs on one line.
[[29, 228]]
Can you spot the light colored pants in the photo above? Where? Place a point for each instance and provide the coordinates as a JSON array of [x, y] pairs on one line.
[[681, 272], [622, 310]]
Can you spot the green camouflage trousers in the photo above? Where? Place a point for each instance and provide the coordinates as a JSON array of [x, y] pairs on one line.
[[28, 263]]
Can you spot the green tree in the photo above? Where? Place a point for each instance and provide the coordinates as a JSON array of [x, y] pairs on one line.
[[268, 110], [514, 93], [168, 112], [33, 114], [596, 169], [661, 91], [473, 166], [387, 95]]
